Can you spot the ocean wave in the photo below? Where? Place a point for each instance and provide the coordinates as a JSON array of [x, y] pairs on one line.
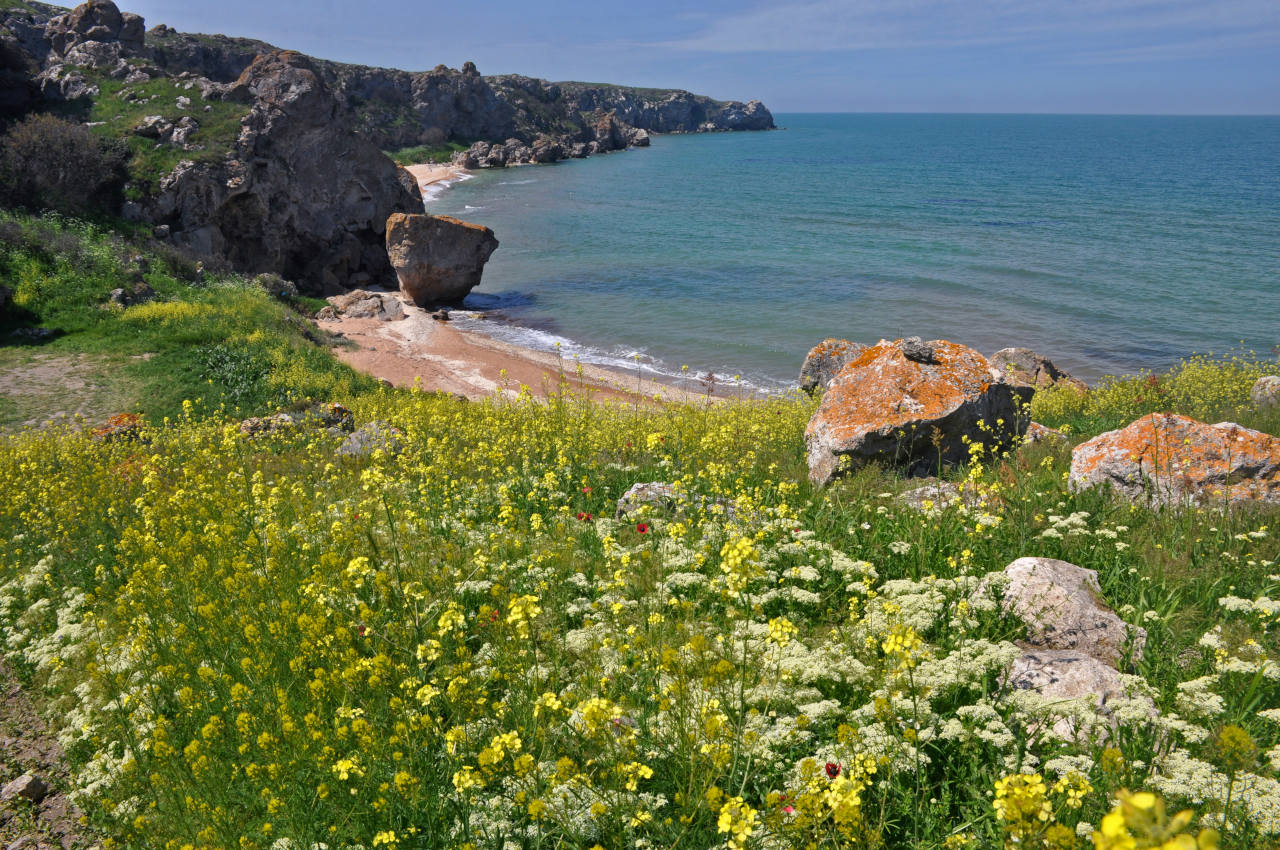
[[620, 359]]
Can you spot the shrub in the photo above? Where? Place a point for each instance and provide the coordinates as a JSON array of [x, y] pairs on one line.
[[50, 163]]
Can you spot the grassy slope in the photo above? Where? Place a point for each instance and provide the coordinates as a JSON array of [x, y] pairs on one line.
[[225, 341]]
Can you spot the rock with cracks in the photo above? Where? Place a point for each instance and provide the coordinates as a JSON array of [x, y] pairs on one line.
[[1063, 675], [437, 259], [1063, 608], [1171, 459], [1025, 368], [912, 405], [825, 360]]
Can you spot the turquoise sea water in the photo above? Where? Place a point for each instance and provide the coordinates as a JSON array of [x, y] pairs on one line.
[[1107, 243]]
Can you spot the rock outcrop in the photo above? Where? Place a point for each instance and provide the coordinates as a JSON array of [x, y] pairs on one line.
[[911, 404], [1023, 367], [825, 360], [437, 259], [1062, 607], [360, 304], [1266, 392], [300, 195], [1172, 459]]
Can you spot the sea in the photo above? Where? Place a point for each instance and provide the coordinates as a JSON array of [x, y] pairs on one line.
[[1110, 244]]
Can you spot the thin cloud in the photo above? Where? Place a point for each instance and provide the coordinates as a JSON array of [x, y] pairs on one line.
[[851, 25]]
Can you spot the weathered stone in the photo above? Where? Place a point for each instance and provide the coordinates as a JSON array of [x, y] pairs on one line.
[[437, 259], [1266, 392], [153, 127], [918, 351], [660, 497], [372, 437], [361, 304], [27, 786], [885, 407], [1037, 433], [938, 496], [1172, 459], [1063, 608], [138, 293], [1068, 674], [825, 360], [1023, 367]]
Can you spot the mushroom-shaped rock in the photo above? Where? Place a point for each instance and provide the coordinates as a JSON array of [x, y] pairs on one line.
[[1266, 391], [825, 360], [1063, 609], [438, 259], [1172, 459], [1025, 368], [913, 405]]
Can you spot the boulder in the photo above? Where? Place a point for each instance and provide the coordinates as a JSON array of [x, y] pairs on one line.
[[1266, 392], [1023, 367], [27, 786], [96, 20], [362, 304], [138, 293], [438, 259], [938, 496], [825, 360], [1171, 459], [121, 427], [657, 495], [372, 437], [1037, 433], [911, 405], [1067, 674], [1062, 607]]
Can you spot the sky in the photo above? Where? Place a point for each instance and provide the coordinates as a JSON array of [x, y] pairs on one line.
[[1055, 56]]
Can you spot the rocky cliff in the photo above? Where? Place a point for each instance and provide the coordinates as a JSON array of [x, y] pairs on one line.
[[271, 160], [398, 109]]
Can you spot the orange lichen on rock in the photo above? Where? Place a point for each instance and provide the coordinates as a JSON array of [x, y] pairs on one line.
[[911, 404], [1172, 459]]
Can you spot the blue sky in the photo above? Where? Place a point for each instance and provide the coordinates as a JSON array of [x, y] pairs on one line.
[[1107, 56]]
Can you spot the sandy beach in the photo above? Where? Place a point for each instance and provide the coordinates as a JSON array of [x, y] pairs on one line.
[[417, 350], [431, 174]]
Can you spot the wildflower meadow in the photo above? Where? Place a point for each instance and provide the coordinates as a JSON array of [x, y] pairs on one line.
[[253, 642]]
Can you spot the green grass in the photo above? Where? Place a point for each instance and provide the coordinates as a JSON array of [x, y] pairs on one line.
[[225, 341], [150, 160], [426, 153]]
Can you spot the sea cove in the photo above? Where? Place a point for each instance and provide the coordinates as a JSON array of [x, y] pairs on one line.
[[1115, 242]]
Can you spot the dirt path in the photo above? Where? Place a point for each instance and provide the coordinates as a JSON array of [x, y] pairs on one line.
[[37, 387], [26, 747]]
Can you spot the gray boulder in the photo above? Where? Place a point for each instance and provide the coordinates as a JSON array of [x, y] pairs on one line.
[[362, 304], [1266, 392], [1023, 367], [27, 786], [1067, 674], [1062, 607], [372, 437], [437, 259], [825, 360]]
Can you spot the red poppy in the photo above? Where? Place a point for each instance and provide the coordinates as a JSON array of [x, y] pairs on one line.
[[360, 630], [833, 770], [642, 527], [586, 489], [584, 517]]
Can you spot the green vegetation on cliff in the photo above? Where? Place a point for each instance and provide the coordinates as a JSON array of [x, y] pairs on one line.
[[214, 337]]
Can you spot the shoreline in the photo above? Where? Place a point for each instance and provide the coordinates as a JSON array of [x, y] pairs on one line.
[[435, 177], [419, 351]]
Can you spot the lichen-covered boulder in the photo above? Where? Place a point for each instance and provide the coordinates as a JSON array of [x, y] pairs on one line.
[[438, 259], [1266, 392], [1172, 459], [1025, 368], [913, 405], [825, 360], [1063, 608]]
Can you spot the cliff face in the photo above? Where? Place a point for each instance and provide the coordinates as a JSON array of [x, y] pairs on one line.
[[272, 161], [397, 109]]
